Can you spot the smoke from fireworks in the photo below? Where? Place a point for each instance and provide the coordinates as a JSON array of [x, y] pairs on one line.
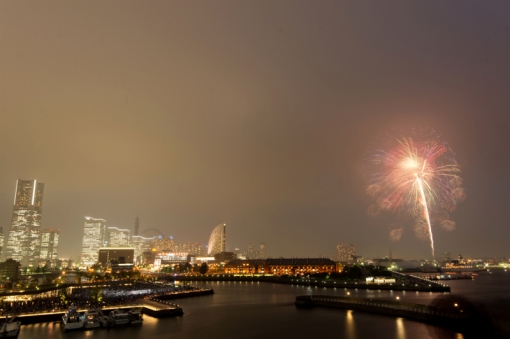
[[418, 178]]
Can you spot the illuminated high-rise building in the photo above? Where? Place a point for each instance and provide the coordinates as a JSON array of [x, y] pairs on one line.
[[217, 240], [251, 253], [94, 236], [2, 239], [193, 248], [352, 253], [117, 237], [137, 225], [49, 245], [262, 251], [141, 245], [24, 235], [162, 243], [343, 255]]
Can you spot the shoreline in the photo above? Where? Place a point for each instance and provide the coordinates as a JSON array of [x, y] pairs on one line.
[[148, 307], [435, 287]]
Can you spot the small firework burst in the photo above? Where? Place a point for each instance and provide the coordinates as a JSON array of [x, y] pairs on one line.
[[373, 210], [396, 233], [448, 225]]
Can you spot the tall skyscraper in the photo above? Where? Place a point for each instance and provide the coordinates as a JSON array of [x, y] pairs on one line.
[[2, 239], [342, 253], [24, 236], [117, 237], [262, 251], [251, 253], [49, 246], [137, 225], [352, 253], [141, 245], [94, 236]]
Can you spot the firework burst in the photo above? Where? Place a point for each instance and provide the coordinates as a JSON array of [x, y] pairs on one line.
[[417, 178], [396, 232]]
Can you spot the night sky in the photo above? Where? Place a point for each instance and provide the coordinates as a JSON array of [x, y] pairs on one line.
[[254, 113]]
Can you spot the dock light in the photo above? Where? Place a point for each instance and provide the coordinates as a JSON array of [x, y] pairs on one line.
[[456, 305]]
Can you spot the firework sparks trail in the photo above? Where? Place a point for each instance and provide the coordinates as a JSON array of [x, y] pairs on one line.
[[417, 178], [427, 215]]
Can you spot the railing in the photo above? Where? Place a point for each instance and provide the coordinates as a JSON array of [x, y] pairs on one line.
[[378, 305]]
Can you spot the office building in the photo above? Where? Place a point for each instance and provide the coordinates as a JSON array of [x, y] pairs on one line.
[[162, 243], [140, 245], [10, 270], [2, 239], [346, 253], [262, 251], [251, 253], [24, 235], [192, 248], [117, 237], [49, 246], [94, 234], [352, 253], [116, 258]]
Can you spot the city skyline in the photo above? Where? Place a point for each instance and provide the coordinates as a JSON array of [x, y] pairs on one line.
[[258, 115]]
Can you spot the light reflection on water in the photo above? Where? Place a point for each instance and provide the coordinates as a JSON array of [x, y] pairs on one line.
[[350, 327], [401, 332], [260, 310]]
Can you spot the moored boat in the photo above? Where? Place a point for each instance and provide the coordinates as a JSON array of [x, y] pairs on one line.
[[72, 319], [10, 328], [135, 316], [104, 320], [91, 319], [119, 317]]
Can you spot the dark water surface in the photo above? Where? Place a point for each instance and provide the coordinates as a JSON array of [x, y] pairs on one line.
[[263, 310]]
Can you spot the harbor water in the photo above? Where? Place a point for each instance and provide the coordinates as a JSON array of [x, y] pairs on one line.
[[266, 310]]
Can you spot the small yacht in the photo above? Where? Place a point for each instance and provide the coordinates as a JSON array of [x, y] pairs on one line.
[[72, 320], [135, 316], [119, 317], [91, 319], [10, 328]]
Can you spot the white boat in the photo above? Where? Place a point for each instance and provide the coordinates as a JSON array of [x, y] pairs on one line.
[[135, 316], [119, 317], [10, 328], [72, 320], [91, 319]]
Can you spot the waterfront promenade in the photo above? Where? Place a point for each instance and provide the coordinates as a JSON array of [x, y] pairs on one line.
[[155, 305], [403, 282]]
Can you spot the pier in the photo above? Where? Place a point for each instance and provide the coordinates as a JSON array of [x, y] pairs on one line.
[[455, 317]]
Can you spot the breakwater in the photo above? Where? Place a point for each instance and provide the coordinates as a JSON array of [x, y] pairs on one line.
[[403, 282], [455, 316]]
